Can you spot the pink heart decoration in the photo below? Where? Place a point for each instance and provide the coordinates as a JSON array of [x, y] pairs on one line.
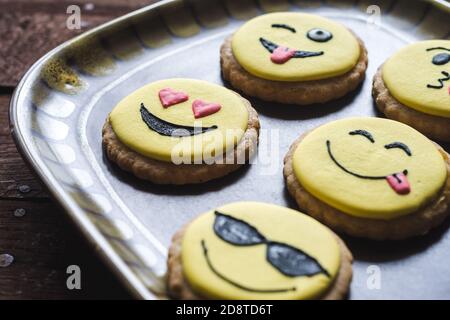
[[203, 109], [281, 55], [169, 97]]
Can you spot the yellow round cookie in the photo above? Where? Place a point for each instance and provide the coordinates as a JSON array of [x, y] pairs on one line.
[[193, 139], [251, 250], [370, 167], [330, 48], [419, 77]]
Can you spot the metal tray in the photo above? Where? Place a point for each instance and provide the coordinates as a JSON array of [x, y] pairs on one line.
[[60, 105]]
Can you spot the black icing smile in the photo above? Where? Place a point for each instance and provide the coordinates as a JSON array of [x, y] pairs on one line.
[[166, 128], [290, 261], [234, 283], [271, 47], [440, 81], [389, 146]]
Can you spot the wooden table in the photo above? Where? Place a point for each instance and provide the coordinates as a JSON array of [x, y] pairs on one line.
[[34, 230]]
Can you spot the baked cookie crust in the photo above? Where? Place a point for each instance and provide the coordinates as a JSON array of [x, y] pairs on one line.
[[179, 288], [161, 172], [414, 224], [434, 127], [299, 92]]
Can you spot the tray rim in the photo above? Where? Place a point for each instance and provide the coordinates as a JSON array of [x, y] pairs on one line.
[[76, 214]]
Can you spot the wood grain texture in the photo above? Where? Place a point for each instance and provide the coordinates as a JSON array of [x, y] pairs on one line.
[[14, 173], [43, 244], [30, 28], [42, 241]]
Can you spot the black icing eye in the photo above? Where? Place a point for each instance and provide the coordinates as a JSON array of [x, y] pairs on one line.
[[291, 261], [441, 58], [319, 35], [236, 231], [363, 133], [399, 145]]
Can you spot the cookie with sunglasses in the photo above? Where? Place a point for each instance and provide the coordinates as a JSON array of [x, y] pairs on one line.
[[413, 86], [293, 58], [370, 177], [181, 131], [251, 250]]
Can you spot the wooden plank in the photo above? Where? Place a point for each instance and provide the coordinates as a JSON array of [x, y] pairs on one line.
[[29, 29], [43, 244], [16, 179]]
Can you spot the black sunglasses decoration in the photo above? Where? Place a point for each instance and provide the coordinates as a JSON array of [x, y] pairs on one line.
[[287, 259]]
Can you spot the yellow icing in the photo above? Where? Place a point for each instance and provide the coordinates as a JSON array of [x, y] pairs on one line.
[[247, 265], [341, 53], [408, 72], [231, 120], [366, 198]]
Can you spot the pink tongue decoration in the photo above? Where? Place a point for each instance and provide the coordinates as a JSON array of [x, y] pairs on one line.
[[399, 182], [169, 97], [282, 54], [203, 109]]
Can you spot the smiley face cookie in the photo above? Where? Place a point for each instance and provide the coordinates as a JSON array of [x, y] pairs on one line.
[[370, 177], [413, 86], [251, 250], [180, 131], [293, 58]]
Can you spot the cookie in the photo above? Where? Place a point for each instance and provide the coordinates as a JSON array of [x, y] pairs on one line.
[[370, 177], [181, 131], [293, 58], [251, 250], [413, 86]]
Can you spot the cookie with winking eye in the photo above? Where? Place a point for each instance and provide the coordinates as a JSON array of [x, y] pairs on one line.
[[413, 86], [294, 58]]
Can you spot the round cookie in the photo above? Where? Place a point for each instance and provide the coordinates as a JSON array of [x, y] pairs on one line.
[[251, 250], [370, 177], [180, 131], [420, 95], [293, 58]]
